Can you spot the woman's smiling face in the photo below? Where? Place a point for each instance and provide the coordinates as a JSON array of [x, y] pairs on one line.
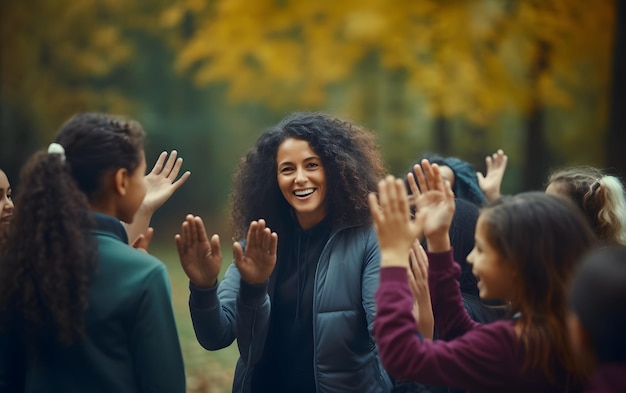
[[302, 180]]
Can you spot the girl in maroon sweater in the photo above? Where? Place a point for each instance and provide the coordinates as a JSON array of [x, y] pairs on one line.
[[526, 249]]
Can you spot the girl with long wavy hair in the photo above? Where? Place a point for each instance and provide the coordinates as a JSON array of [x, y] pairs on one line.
[[299, 300], [81, 309], [527, 247]]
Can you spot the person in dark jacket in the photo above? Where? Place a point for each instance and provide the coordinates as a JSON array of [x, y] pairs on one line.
[[461, 174], [81, 309], [302, 310], [597, 320]]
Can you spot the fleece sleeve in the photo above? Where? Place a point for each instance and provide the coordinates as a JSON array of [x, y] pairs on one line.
[[482, 358]]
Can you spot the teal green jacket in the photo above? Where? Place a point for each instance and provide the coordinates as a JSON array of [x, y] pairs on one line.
[[131, 343]]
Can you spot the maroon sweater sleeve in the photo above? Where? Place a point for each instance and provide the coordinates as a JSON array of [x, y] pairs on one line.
[[451, 318], [484, 358]]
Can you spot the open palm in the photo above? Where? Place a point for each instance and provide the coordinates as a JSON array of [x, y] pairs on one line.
[[433, 198], [257, 262], [200, 257]]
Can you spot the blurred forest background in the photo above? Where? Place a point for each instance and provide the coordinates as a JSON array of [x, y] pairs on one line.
[[545, 80]]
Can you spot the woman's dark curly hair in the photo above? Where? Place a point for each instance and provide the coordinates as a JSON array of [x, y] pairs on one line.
[[351, 162], [44, 278]]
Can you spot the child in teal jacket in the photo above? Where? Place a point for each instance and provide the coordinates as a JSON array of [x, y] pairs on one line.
[[81, 309]]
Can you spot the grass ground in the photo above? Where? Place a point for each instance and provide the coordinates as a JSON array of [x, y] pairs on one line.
[[207, 371]]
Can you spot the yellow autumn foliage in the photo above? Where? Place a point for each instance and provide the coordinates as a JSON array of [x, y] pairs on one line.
[[469, 58], [48, 47]]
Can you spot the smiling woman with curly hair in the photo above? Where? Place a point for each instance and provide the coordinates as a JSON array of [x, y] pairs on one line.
[[299, 301]]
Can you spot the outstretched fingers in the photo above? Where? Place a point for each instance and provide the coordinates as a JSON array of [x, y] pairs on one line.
[[260, 237], [421, 171], [167, 166], [412, 182], [172, 163], [158, 165]]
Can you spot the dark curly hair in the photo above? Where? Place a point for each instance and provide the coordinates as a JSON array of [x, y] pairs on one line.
[[44, 278], [543, 237], [351, 162]]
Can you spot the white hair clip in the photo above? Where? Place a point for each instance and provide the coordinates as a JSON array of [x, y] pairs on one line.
[[55, 148]]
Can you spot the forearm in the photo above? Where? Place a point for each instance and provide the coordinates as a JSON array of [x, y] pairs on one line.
[[450, 316], [213, 311], [140, 224], [426, 319], [253, 314], [438, 242]]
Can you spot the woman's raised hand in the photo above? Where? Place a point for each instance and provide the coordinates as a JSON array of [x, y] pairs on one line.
[[392, 221], [200, 257], [435, 205], [257, 262]]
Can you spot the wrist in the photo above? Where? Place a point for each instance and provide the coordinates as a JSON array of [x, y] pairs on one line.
[[394, 259], [492, 196], [438, 243], [204, 284], [145, 210]]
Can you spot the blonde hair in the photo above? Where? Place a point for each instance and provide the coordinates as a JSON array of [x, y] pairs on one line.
[[600, 196]]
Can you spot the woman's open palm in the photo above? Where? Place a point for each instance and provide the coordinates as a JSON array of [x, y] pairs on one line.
[[200, 257], [257, 261]]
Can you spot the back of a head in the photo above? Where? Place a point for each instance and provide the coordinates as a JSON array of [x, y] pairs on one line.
[[97, 142], [598, 298], [601, 198], [465, 185], [52, 219]]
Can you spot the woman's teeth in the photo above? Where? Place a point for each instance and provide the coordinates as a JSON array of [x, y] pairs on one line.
[[302, 193]]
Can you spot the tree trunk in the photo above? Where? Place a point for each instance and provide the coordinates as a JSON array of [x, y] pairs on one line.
[[616, 135], [536, 162], [441, 133]]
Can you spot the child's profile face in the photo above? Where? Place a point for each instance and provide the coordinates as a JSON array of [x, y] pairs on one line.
[[6, 204], [136, 191], [495, 275]]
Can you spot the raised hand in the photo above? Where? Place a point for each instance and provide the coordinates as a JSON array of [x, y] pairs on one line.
[[392, 221], [435, 205], [492, 181], [256, 264], [200, 257], [143, 241], [161, 182], [418, 284]]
